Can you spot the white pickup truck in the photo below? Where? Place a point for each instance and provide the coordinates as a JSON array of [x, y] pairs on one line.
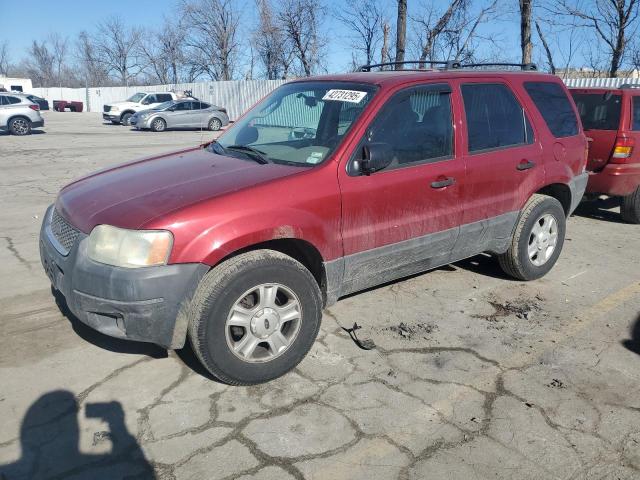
[[120, 112]]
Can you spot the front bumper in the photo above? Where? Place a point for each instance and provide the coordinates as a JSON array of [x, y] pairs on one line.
[[112, 117], [144, 304], [616, 179], [577, 185]]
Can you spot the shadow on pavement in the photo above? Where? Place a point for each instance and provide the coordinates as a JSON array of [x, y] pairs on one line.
[[104, 341], [600, 209], [633, 344], [49, 439]]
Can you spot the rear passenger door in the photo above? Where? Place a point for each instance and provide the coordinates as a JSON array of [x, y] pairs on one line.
[[404, 218], [503, 160]]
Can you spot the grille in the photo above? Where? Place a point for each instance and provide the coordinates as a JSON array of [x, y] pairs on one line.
[[65, 234], [107, 108]]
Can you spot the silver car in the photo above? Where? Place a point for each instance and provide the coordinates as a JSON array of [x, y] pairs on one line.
[[184, 113], [18, 114]]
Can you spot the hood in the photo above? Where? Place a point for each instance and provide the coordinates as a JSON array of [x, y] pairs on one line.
[[123, 104], [132, 194]]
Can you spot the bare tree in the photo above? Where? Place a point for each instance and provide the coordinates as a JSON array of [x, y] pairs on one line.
[[4, 58], [95, 73], [117, 49], [432, 29], [40, 64], [401, 32], [613, 21], [163, 52], [526, 45], [384, 52], [547, 50], [270, 43], [212, 41], [300, 21], [59, 50], [364, 21]]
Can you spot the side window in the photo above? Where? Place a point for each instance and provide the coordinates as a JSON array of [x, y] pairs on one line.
[[554, 106], [495, 118], [163, 97], [3, 100], [182, 106], [204, 105], [417, 124], [150, 99], [196, 105], [636, 114]]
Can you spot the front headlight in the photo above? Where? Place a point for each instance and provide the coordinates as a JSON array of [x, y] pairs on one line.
[[129, 248], [115, 109]]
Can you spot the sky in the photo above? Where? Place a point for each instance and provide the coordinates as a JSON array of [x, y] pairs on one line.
[[21, 26]]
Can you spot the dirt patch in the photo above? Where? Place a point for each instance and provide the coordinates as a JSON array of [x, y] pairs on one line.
[[409, 331], [522, 308], [556, 383]]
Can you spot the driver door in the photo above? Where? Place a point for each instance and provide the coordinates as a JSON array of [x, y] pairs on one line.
[[405, 218]]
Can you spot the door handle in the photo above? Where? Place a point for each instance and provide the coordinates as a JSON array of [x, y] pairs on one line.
[[445, 182], [525, 165]]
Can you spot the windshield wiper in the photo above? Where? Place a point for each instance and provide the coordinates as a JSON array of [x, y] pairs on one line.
[[257, 155]]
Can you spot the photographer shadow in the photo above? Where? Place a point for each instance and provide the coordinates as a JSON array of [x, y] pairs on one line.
[[49, 439]]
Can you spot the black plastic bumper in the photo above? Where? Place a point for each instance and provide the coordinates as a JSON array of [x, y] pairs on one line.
[[144, 304], [37, 124]]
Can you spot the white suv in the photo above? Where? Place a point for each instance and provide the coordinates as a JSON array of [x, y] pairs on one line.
[[18, 114], [120, 112]]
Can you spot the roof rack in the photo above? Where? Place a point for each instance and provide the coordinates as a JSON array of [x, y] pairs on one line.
[[446, 65], [630, 85], [530, 67], [453, 65]]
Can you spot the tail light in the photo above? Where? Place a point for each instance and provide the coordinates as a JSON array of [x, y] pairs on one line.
[[622, 149], [34, 107]]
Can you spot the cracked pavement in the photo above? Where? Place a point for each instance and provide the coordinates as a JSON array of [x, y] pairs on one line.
[[472, 375]]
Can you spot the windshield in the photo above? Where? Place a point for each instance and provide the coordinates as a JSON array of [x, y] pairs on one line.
[[163, 106], [136, 98], [299, 123]]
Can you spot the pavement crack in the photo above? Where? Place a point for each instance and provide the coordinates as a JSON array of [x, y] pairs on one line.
[[14, 251]]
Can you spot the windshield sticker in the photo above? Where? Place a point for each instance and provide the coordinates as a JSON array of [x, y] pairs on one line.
[[315, 157], [351, 96]]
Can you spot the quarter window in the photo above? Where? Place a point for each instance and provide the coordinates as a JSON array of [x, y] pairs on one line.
[[495, 119], [554, 106], [416, 124], [13, 100], [636, 114]]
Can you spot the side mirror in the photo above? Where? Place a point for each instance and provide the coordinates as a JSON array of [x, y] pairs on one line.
[[375, 157]]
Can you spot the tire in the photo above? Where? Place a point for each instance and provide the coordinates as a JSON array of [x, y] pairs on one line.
[[124, 119], [215, 124], [630, 208], [158, 125], [517, 260], [211, 308], [20, 126]]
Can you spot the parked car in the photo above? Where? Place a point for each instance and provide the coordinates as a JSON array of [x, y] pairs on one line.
[[121, 112], [239, 244], [611, 119], [18, 114], [41, 102], [184, 113]]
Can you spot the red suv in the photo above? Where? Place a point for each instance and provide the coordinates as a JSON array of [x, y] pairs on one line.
[[326, 187], [611, 119]]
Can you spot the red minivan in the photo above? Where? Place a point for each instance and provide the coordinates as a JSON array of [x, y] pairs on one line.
[[611, 120], [328, 186]]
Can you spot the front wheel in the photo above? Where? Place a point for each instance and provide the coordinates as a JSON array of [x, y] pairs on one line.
[[124, 119], [158, 125], [215, 124], [537, 240], [254, 317], [630, 208]]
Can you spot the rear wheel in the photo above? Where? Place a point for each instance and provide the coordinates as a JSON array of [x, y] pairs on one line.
[[254, 317], [215, 124], [124, 119], [537, 240], [20, 126], [630, 208], [158, 125]]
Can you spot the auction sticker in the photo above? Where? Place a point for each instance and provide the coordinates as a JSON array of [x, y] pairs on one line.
[[351, 96]]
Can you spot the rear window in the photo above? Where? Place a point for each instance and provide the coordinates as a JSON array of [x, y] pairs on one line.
[[599, 111], [554, 106], [636, 113], [495, 119]]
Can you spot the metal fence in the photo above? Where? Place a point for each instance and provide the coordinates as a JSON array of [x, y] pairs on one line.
[[236, 96]]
